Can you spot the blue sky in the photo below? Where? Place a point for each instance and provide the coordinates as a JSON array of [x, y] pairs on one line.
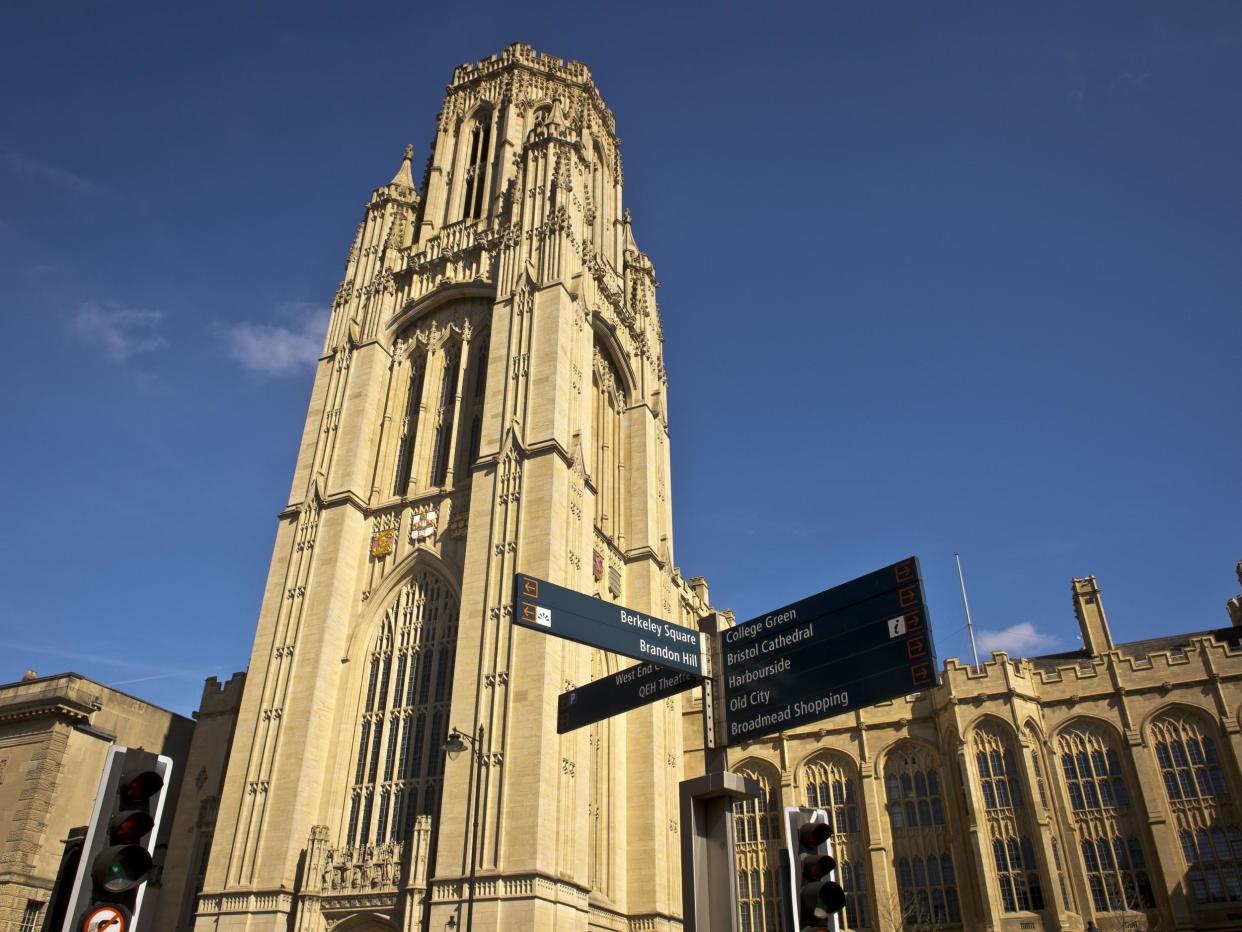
[[935, 278]]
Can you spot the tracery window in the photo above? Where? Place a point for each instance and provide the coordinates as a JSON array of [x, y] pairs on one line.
[[409, 424], [1213, 858], [757, 838], [1204, 812], [476, 166], [1035, 744], [477, 392], [922, 859], [1188, 760], [832, 785], [608, 406], [1010, 827], [1109, 833], [398, 763], [446, 413]]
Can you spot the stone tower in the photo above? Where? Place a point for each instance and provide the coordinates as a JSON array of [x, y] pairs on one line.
[[491, 399]]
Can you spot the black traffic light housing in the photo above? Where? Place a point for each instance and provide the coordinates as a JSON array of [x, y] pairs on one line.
[[815, 897], [116, 858]]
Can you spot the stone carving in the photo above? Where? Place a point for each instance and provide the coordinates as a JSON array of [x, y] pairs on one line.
[[361, 869]]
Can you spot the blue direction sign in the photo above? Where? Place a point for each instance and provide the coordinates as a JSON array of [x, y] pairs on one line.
[[854, 645], [621, 692], [550, 609]]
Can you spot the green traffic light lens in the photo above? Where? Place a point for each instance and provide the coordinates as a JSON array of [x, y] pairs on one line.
[[121, 867]]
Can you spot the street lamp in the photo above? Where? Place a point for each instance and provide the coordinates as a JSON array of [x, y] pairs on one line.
[[454, 745]]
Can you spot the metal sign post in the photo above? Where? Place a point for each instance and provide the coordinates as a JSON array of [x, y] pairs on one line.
[[708, 864]]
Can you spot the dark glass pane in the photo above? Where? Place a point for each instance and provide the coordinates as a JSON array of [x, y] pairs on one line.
[[1179, 752]]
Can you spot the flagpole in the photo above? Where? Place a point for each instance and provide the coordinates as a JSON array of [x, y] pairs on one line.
[[966, 602]]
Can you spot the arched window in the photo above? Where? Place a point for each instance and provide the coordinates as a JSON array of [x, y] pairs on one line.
[[1192, 769], [1109, 834], [1010, 826], [922, 858], [1035, 746], [600, 185], [476, 165], [757, 834], [409, 424], [832, 785], [478, 388], [608, 406], [446, 413], [398, 760]]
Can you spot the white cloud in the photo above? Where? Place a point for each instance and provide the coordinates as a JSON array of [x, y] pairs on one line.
[[26, 166], [275, 349], [1020, 640], [121, 332]]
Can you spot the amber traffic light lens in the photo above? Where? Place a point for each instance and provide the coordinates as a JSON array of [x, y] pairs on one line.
[[130, 826]]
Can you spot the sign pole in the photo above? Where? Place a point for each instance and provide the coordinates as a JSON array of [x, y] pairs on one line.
[[709, 868]]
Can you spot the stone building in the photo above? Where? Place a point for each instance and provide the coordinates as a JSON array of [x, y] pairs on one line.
[[1095, 787], [491, 399], [55, 732]]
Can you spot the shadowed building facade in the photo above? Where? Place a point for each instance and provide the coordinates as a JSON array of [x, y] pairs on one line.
[[1095, 786], [491, 399]]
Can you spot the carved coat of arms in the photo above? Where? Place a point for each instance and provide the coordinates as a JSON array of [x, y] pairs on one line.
[[423, 527], [383, 542]]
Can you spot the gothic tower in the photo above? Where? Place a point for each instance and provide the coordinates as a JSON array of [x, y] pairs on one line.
[[491, 399]]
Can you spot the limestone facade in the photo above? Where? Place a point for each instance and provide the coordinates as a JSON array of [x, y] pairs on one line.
[[491, 399], [1098, 786]]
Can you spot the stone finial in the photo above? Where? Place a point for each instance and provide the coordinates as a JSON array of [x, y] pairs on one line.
[[403, 175], [1234, 605]]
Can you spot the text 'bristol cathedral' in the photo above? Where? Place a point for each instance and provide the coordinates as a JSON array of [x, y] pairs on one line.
[[491, 399]]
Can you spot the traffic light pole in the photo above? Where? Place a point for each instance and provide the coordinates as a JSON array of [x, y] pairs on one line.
[[709, 872]]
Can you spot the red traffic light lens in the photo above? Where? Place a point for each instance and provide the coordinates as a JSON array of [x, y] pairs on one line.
[[137, 788], [814, 834], [121, 867], [128, 827]]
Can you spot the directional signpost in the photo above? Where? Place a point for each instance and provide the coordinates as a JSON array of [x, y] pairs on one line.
[[541, 606], [622, 691], [863, 642], [860, 643]]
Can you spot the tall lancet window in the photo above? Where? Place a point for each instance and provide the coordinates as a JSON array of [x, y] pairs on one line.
[[1109, 832], [757, 839], [409, 424], [446, 413], [473, 401], [608, 406], [922, 850], [1008, 818], [398, 767], [832, 785], [1195, 783], [476, 166]]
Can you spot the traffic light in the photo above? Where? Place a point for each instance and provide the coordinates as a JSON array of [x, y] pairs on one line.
[[814, 897], [116, 855]]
